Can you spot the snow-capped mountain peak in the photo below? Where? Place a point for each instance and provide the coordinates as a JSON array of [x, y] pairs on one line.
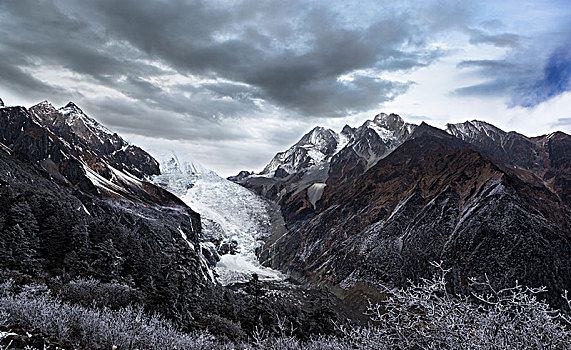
[[391, 128], [45, 112], [74, 115], [91, 132], [312, 149], [475, 129], [88, 140], [71, 107], [174, 165], [311, 156], [322, 153], [388, 121]]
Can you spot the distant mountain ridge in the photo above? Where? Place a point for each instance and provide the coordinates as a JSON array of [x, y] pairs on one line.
[[395, 198], [545, 160], [322, 153]]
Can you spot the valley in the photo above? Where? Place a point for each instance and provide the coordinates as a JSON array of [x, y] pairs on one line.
[[230, 215], [335, 221]]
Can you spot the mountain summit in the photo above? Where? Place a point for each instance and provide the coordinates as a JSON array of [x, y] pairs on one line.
[[97, 146], [324, 153]]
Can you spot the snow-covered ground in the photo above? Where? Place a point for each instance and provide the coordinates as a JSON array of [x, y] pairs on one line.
[[229, 212]]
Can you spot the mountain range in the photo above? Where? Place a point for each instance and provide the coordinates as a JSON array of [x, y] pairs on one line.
[[75, 202], [81, 206], [374, 205], [326, 224]]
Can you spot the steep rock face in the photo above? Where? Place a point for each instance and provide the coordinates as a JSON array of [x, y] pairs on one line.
[[60, 217], [91, 141], [367, 144], [544, 159], [42, 135], [313, 148], [433, 198]]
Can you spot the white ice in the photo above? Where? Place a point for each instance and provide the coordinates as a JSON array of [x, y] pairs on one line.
[[228, 211]]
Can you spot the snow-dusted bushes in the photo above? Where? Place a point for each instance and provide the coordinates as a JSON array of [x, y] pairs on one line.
[[89, 291], [423, 315], [96, 327], [126, 328], [427, 316]]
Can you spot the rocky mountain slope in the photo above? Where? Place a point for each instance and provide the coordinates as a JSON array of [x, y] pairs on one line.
[[78, 208], [544, 160], [74, 204], [92, 142], [470, 196]]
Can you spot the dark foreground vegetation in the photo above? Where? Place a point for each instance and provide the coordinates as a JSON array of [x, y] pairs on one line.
[[424, 316]]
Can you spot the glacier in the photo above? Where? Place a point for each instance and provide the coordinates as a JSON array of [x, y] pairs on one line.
[[229, 213]]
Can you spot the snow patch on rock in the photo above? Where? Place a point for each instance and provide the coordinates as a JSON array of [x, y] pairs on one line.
[[314, 192]]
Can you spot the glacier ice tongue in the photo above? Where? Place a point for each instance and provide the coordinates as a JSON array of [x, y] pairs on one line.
[[228, 211]]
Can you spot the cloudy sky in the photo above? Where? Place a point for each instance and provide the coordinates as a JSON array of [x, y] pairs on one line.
[[230, 83]]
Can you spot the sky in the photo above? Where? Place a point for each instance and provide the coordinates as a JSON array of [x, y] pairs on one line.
[[231, 83]]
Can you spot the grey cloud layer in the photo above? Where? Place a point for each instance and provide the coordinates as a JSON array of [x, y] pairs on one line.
[[290, 56], [192, 64]]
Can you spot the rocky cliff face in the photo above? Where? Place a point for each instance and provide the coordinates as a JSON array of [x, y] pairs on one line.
[[71, 205], [421, 194]]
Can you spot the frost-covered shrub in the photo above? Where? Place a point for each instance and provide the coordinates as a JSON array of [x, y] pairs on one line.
[[421, 316], [89, 291], [426, 315], [93, 327], [224, 329]]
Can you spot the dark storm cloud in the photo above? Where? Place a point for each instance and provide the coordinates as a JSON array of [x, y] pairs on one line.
[[21, 81], [290, 55], [287, 71], [133, 118]]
